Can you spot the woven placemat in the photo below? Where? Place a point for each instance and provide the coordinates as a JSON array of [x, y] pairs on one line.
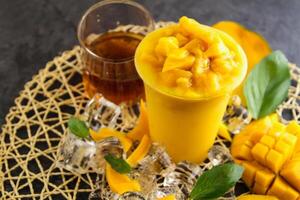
[[35, 125]]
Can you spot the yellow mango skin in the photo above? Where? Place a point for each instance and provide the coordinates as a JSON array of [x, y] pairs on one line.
[[256, 197], [108, 132], [140, 152], [254, 45], [142, 126], [120, 183], [273, 164]]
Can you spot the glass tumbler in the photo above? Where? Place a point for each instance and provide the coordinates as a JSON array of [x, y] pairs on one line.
[[109, 33]]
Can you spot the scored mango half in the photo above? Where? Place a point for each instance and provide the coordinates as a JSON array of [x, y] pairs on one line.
[[269, 152], [254, 45]]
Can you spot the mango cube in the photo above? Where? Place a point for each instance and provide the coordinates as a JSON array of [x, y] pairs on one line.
[[282, 190], [268, 141], [274, 160], [293, 127], [182, 40], [259, 153], [166, 45], [178, 59]]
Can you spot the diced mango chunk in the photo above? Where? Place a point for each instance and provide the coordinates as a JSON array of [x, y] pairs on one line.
[[293, 127], [182, 40], [291, 173], [249, 172], [178, 59], [274, 160], [258, 189], [264, 178], [259, 153], [169, 77], [282, 190], [166, 45], [268, 141]]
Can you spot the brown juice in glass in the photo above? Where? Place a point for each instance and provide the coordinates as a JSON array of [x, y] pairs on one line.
[[114, 74]]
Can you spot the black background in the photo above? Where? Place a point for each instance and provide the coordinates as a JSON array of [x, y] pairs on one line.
[[32, 32]]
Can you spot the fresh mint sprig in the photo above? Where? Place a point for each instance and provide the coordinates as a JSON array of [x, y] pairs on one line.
[[216, 182], [78, 127], [267, 85], [118, 164]]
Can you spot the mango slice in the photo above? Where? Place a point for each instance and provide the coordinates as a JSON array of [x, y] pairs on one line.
[[254, 45], [169, 197], [256, 197], [108, 132], [142, 126], [140, 152], [268, 151], [223, 132], [120, 183], [178, 59]]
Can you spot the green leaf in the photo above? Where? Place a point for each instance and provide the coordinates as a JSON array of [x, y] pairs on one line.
[[118, 164], [267, 85], [216, 181], [78, 127]]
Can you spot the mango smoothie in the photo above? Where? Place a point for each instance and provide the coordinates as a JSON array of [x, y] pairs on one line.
[[189, 71]]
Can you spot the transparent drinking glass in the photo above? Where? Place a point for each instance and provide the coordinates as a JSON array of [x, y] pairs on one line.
[[109, 33]]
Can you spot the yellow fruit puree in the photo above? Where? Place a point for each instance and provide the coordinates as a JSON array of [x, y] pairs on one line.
[[189, 71]]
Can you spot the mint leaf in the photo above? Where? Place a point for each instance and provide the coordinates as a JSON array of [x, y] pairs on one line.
[[118, 164], [216, 181], [267, 85], [78, 127]]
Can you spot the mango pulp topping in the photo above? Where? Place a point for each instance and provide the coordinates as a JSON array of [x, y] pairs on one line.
[[193, 60]]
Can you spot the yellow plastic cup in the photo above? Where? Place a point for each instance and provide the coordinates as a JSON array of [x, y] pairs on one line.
[[186, 126]]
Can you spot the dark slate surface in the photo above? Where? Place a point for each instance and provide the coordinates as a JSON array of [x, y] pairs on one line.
[[32, 32]]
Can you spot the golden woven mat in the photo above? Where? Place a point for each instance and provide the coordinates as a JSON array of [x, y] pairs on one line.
[[35, 125]]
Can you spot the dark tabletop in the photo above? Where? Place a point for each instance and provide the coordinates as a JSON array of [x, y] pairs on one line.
[[32, 32]]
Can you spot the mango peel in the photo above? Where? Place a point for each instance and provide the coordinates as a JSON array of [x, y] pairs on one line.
[[254, 45], [267, 150]]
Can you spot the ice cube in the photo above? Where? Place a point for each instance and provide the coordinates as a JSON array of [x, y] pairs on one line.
[[131, 196], [219, 154], [75, 154], [236, 115], [100, 112], [102, 191]]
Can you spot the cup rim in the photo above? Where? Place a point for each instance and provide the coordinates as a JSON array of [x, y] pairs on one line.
[[106, 2]]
